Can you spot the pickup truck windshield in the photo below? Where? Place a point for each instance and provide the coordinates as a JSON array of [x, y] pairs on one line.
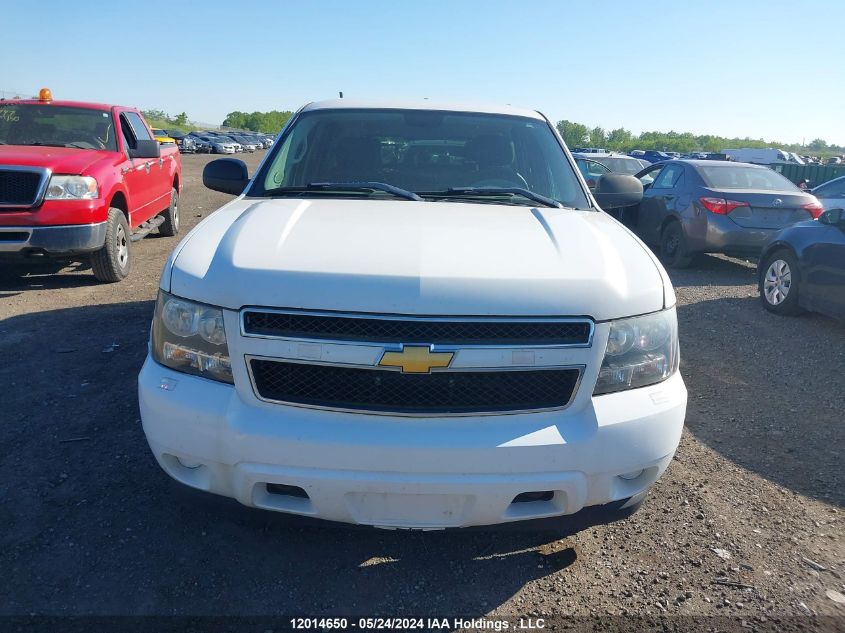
[[56, 126], [434, 154]]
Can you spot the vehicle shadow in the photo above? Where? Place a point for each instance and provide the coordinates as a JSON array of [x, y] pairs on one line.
[[766, 391], [20, 277], [714, 270], [93, 526]]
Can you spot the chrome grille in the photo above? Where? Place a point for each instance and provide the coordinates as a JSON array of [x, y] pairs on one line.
[[22, 186]]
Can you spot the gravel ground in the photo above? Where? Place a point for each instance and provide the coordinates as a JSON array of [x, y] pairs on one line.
[[91, 525]]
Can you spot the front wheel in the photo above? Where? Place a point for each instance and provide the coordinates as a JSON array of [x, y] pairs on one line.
[[170, 226], [114, 260], [673, 246], [779, 283]]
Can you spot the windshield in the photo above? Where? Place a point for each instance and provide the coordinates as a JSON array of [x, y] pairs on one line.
[[743, 177], [622, 165], [421, 151], [59, 126]]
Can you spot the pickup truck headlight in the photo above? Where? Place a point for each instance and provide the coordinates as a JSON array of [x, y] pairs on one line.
[[640, 351], [72, 188], [189, 337]]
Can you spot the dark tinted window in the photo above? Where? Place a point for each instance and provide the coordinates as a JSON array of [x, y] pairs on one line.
[[422, 151], [669, 177], [744, 177], [834, 189]]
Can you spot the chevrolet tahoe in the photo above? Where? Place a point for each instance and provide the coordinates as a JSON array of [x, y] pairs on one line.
[[416, 316]]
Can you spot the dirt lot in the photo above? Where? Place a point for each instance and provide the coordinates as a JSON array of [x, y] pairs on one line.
[[90, 524]]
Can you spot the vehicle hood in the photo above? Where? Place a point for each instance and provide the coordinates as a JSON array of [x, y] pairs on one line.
[[400, 257], [62, 160]]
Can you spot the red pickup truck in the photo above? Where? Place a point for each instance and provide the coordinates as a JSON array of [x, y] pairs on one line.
[[83, 180]]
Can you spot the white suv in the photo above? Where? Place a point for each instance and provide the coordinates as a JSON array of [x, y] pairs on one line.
[[416, 317]]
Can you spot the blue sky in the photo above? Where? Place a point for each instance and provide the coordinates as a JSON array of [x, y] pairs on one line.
[[758, 68]]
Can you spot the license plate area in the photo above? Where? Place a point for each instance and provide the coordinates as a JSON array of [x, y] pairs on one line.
[[422, 511]]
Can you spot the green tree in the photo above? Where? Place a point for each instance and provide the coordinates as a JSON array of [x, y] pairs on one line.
[[597, 137], [619, 139], [156, 115], [181, 119], [573, 134], [271, 122]]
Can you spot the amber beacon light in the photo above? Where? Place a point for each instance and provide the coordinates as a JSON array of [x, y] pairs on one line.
[[45, 94]]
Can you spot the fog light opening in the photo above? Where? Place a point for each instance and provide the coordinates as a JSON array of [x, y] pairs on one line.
[[632, 475], [528, 497], [287, 491]]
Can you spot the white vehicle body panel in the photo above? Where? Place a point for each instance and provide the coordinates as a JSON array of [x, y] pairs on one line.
[[400, 257]]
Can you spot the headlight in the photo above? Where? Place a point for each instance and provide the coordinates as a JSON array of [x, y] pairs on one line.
[[72, 188], [640, 351], [189, 337]]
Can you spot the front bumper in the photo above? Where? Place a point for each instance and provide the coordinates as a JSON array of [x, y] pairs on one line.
[[425, 473], [52, 240]]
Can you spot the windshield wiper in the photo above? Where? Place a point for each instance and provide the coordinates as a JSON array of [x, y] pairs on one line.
[[496, 191], [40, 144], [366, 186], [330, 187]]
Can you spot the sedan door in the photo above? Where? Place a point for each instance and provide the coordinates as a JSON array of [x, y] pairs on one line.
[[660, 198], [824, 269]]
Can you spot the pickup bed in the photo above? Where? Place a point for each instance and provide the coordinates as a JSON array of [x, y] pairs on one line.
[[83, 180]]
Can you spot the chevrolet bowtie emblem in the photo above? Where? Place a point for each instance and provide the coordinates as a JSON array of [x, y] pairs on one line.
[[416, 359]]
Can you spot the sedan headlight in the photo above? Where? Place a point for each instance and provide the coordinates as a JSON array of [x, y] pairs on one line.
[[640, 351], [72, 188], [189, 337]]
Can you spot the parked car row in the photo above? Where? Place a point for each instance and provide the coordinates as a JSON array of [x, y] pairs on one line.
[[701, 206], [213, 142], [229, 142]]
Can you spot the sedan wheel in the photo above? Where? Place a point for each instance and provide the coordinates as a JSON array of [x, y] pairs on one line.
[[780, 283], [777, 282]]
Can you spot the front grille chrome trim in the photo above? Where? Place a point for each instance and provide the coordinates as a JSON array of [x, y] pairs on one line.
[[431, 319], [575, 389], [40, 192]]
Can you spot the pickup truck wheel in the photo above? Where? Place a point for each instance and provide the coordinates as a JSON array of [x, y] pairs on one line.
[[779, 283], [114, 260], [673, 246], [170, 226]]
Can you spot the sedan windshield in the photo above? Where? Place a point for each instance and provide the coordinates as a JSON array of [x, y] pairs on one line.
[[745, 177], [622, 165], [433, 154], [56, 126]]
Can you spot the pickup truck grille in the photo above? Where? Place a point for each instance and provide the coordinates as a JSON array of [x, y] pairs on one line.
[[466, 331], [439, 393], [20, 187]]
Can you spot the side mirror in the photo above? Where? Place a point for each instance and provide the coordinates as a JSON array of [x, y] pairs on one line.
[[227, 175], [834, 217], [145, 149], [614, 191]]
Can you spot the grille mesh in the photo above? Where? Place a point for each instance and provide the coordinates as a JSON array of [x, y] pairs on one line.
[[394, 392], [515, 332], [19, 187]]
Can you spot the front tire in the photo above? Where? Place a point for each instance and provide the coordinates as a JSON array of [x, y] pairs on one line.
[[673, 246], [113, 261], [780, 284], [170, 226]]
